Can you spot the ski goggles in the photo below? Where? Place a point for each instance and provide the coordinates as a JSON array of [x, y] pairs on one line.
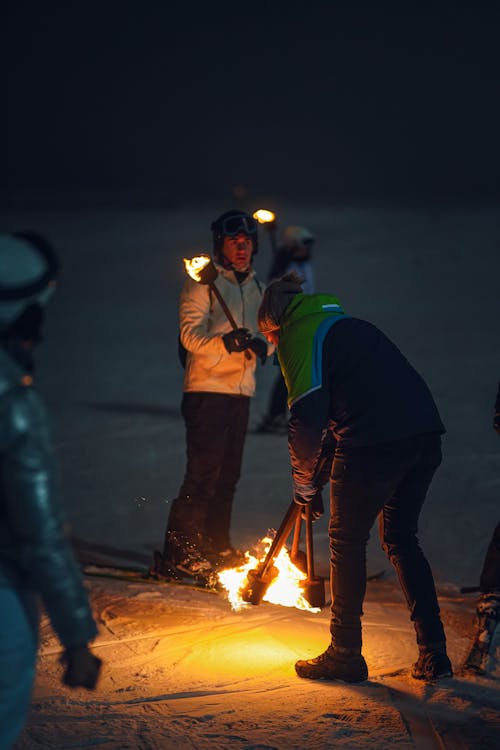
[[234, 225]]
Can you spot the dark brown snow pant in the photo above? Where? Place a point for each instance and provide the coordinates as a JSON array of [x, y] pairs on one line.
[[216, 426]]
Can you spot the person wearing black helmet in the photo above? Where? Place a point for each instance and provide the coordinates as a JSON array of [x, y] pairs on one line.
[[219, 381], [36, 560]]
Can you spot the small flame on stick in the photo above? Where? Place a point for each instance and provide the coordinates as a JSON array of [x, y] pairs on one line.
[[286, 588], [263, 216], [195, 265]]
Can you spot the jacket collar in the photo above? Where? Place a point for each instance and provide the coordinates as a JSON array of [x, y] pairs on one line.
[[228, 274]]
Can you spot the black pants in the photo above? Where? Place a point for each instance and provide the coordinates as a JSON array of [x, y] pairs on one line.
[[390, 481], [216, 426]]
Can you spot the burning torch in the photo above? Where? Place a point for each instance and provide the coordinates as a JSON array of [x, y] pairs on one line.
[[259, 579], [202, 269], [268, 220]]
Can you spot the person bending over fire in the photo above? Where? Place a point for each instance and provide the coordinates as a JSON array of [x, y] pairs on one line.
[[343, 374]]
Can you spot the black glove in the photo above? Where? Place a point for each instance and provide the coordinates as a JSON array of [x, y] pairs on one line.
[[496, 422], [259, 348], [236, 340], [303, 494], [82, 667], [316, 505]]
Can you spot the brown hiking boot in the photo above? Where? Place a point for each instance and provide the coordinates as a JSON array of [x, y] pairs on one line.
[[432, 664], [336, 663]]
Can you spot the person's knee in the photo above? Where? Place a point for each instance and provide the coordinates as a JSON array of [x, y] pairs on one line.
[[399, 546]]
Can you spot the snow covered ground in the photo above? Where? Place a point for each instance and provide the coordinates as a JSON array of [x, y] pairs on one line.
[[182, 670]]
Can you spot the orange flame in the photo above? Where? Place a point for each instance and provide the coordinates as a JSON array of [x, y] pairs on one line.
[[285, 589], [195, 265], [263, 216]]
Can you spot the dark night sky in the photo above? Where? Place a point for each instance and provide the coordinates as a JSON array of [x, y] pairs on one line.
[[299, 99]]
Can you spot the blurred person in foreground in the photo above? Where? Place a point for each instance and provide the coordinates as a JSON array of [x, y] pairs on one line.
[[294, 254], [219, 381], [343, 374], [487, 614], [36, 560]]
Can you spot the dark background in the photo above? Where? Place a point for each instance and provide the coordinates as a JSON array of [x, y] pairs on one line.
[[175, 102]]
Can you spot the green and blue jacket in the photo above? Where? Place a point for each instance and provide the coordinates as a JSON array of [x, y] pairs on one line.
[[308, 319], [345, 375]]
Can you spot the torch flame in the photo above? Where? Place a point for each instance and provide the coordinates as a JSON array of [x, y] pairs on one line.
[[195, 265], [286, 588], [263, 216]]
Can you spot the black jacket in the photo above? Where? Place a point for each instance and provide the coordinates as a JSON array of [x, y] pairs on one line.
[[370, 394], [34, 552]]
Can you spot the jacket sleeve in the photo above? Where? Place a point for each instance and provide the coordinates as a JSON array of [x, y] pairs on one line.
[[36, 520], [306, 430], [194, 320]]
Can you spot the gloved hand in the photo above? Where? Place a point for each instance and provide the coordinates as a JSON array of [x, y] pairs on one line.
[[236, 340], [259, 348], [82, 667], [303, 494], [317, 507], [496, 422]]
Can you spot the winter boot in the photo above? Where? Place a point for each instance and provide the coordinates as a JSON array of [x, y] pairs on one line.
[[432, 664], [336, 663], [185, 555], [487, 619]]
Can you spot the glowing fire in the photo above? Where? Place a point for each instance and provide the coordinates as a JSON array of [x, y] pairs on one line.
[[195, 265], [263, 216], [285, 589]]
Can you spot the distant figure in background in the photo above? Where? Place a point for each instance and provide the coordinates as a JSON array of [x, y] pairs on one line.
[[488, 603], [343, 374], [294, 254], [219, 381], [36, 560]]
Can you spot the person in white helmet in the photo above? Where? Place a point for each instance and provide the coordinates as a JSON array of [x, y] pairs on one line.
[[36, 560], [294, 254]]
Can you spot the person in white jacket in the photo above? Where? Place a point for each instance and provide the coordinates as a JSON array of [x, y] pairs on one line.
[[218, 384]]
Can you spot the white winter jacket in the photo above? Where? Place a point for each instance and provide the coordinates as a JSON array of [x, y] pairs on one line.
[[209, 367]]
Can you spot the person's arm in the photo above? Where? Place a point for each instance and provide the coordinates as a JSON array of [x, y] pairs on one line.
[[194, 312], [36, 520], [306, 430]]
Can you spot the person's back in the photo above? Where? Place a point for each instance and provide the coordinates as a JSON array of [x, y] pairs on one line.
[[370, 381]]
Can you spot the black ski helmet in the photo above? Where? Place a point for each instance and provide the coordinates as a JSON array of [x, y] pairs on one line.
[[229, 224], [28, 271]]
